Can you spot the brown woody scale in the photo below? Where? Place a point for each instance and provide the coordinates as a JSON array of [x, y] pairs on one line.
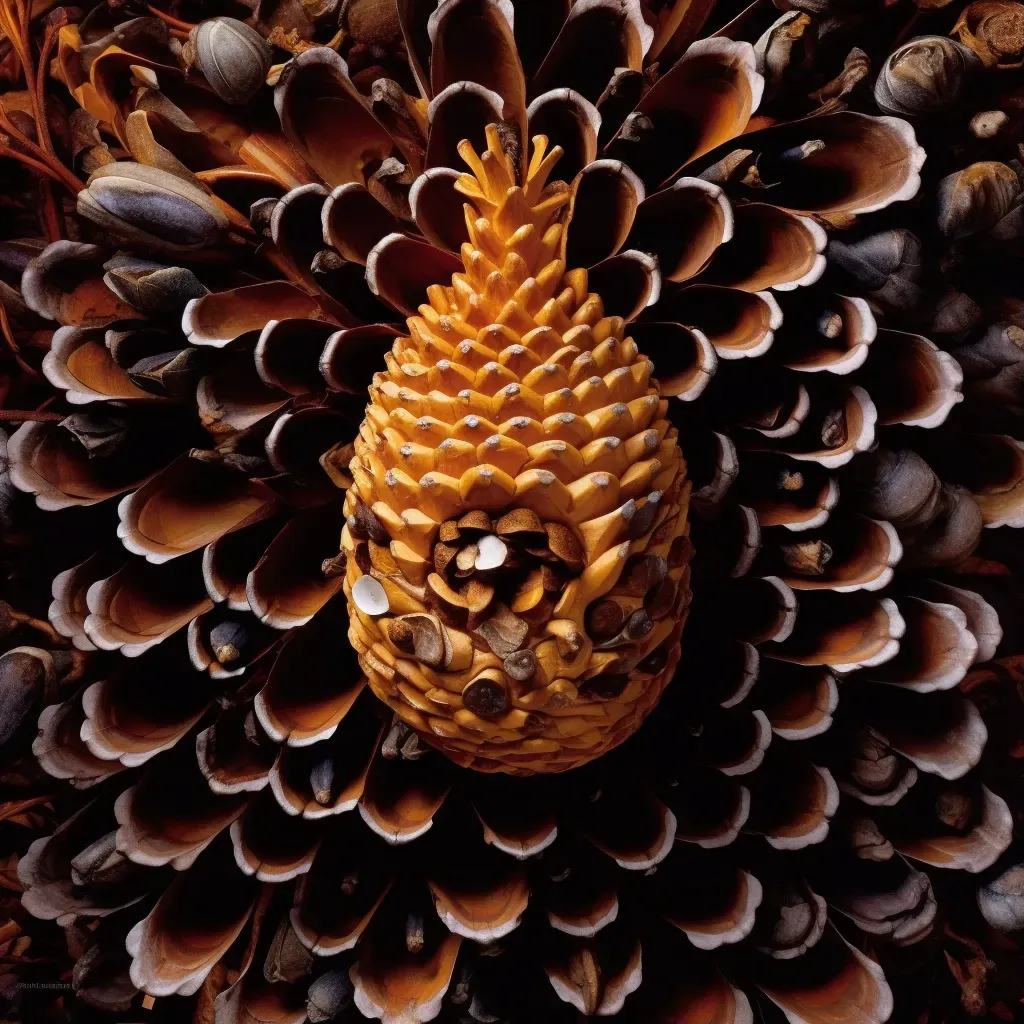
[[814, 750]]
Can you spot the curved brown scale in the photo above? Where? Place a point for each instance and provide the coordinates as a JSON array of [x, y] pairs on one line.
[[792, 916], [287, 587], [770, 249], [842, 631], [296, 225], [401, 796], [596, 38], [712, 464], [518, 817], [724, 670], [940, 732], [703, 101], [406, 960], [867, 768], [982, 618], [595, 975], [825, 332], [142, 709], [479, 893], [707, 897], [887, 898], [579, 895], [836, 163], [65, 283], [47, 870], [62, 753], [220, 318], [798, 701], [79, 364], [952, 534], [791, 801], [910, 380], [229, 759], [438, 209], [317, 105], [224, 643], [463, 110], [732, 741], [299, 704], [48, 461], [683, 225], [69, 609], [287, 355], [935, 652], [328, 778], [628, 283], [354, 222], [796, 497], [472, 41], [170, 815], [271, 846], [832, 983], [399, 270], [740, 325], [729, 545], [850, 552], [833, 428], [570, 121], [187, 505], [710, 809], [352, 356], [228, 561], [762, 608], [683, 986], [991, 467], [630, 824], [605, 197], [413, 16], [178, 943], [963, 828], [350, 875], [253, 999], [143, 604], [234, 397]]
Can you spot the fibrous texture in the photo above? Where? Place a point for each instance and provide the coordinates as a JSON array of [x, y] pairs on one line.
[[527, 490]]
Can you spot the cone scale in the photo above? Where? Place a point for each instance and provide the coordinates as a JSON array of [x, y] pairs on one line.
[[520, 501]]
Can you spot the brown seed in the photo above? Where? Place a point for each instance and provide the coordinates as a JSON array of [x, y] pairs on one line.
[[603, 619], [520, 665], [807, 558], [659, 600], [503, 632], [334, 567], [465, 560], [443, 554], [643, 572], [363, 558], [954, 808], [638, 625], [369, 526], [563, 544], [519, 520], [643, 520], [448, 532], [400, 634], [427, 642], [476, 520], [414, 939], [833, 429], [606, 686], [790, 480], [486, 697], [550, 579]]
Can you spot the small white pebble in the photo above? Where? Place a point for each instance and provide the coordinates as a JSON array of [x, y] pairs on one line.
[[370, 597], [491, 552]]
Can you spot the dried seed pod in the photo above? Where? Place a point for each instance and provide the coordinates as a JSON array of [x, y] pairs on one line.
[[923, 76], [976, 198], [150, 207], [994, 30], [233, 58]]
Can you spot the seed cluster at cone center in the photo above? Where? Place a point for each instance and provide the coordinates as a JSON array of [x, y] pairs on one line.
[[516, 535]]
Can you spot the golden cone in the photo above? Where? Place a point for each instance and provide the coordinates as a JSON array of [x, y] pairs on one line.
[[513, 393]]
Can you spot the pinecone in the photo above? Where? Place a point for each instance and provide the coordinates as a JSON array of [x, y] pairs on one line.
[[400, 719]]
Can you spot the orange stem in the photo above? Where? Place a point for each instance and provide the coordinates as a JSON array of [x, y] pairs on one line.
[[185, 26]]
